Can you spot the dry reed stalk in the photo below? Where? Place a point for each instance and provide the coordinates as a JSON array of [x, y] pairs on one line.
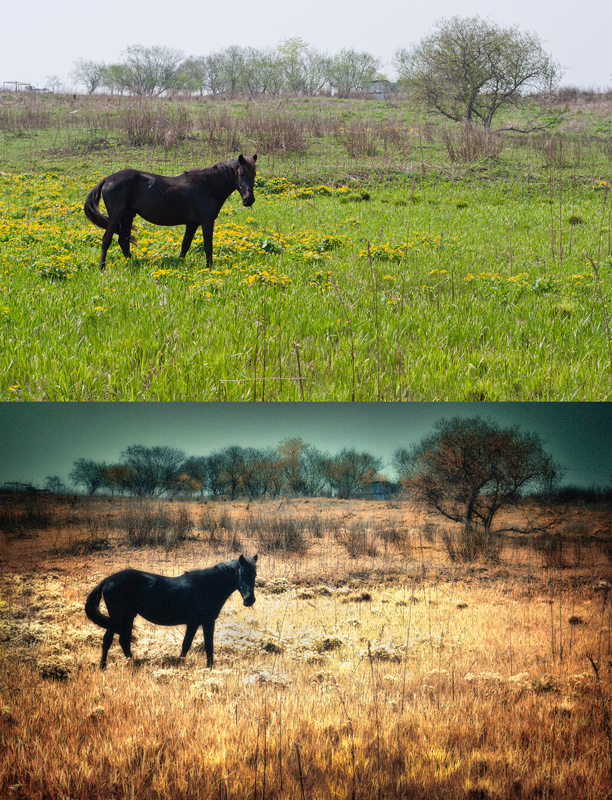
[[604, 310]]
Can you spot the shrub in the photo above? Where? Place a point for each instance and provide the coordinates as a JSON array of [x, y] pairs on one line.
[[147, 527], [27, 513], [565, 547], [278, 134], [280, 532], [148, 126], [358, 539], [552, 548], [471, 544], [470, 143]]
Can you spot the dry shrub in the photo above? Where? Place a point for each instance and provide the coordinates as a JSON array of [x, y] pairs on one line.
[[57, 667], [429, 531], [221, 131], [146, 527], [471, 544], [564, 548], [471, 143], [359, 139], [279, 532], [22, 119], [358, 539], [25, 514], [551, 148], [154, 126], [396, 137], [395, 535], [218, 527], [279, 133]]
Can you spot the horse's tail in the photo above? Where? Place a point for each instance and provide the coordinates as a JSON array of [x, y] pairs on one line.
[[92, 208], [92, 607]]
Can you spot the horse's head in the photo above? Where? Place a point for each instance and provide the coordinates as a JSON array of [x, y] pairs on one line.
[[246, 178], [247, 572]]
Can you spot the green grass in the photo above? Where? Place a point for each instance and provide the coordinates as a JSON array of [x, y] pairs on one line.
[[382, 277]]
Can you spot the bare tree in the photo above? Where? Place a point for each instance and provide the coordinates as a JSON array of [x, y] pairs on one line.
[[262, 73], [55, 484], [153, 469], [216, 78], [154, 70], [88, 73], [232, 470], [351, 473], [468, 470], [304, 68], [194, 472], [195, 70], [468, 68], [89, 474], [291, 453], [350, 71]]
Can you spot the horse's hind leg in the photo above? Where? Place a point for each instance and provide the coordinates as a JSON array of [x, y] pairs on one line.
[[125, 637], [106, 643], [189, 634], [190, 230], [113, 227], [125, 235]]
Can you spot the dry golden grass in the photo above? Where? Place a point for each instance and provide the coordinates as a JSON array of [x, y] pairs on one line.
[[393, 674]]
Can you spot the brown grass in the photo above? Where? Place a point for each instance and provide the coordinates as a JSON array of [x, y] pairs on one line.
[[393, 673]]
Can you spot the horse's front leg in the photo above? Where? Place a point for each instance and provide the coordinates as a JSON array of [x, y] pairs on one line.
[[190, 230], [189, 634], [207, 231], [209, 633]]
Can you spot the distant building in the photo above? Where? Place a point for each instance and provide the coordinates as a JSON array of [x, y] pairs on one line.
[[383, 88], [19, 86], [24, 488], [381, 490]]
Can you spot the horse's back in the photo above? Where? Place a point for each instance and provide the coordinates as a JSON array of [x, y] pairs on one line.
[[159, 599]]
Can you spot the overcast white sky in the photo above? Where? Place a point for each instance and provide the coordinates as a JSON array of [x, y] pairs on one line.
[[42, 38]]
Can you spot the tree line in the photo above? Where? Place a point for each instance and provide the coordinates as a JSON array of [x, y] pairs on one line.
[[293, 468], [466, 470], [293, 67], [466, 69]]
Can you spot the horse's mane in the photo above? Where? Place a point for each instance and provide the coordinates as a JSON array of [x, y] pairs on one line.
[[223, 566], [220, 166]]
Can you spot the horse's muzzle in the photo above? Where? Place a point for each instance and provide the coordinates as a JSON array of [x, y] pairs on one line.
[[248, 601], [248, 201]]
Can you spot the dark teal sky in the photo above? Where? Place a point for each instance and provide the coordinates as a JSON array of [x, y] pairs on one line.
[[41, 439]]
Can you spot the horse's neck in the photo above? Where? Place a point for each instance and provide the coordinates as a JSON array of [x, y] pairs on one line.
[[229, 578], [228, 181]]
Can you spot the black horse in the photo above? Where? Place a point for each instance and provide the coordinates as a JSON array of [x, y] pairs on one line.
[[194, 598], [191, 199]]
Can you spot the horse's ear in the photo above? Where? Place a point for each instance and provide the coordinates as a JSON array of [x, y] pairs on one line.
[[241, 160], [255, 557], [241, 560], [255, 157]]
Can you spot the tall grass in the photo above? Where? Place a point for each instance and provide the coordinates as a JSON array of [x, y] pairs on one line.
[[454, 683], [426, 263]]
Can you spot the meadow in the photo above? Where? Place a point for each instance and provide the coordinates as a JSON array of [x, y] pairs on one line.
[[370, 665], [387, 256]]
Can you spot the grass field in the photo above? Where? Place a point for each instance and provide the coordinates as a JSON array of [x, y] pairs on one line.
[[386, 257], [370, 666]]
